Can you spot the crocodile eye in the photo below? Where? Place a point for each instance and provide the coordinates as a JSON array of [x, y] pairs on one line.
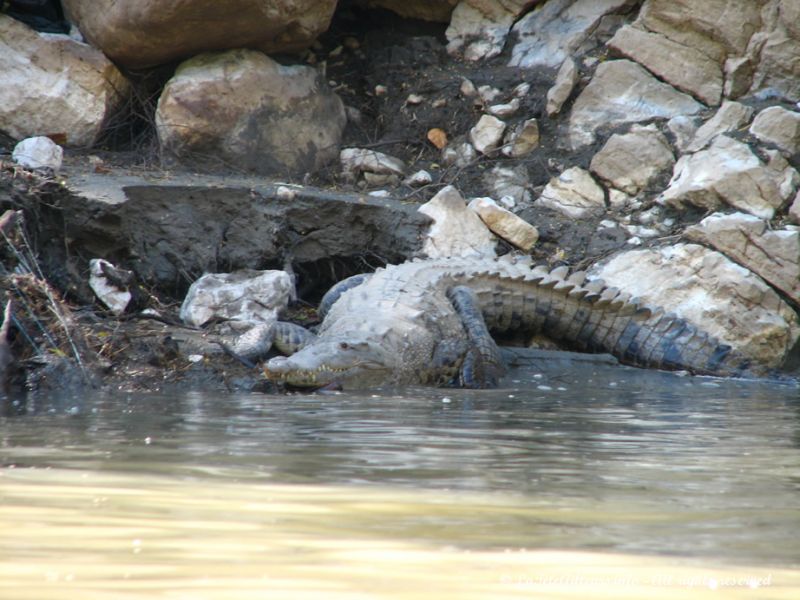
[[344, 345]]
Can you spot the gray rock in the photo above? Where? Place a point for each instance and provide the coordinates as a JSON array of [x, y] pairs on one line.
[[509, 182], [630, 161], [683, 66], [779, 126], [478, 29], [621, 91], [566, 79], [356, 161], [38, 153], [247, 295], [711, 292], [280, 120], [728, 172], [459, 155], [773, 254], [731, 116], [487, 134], [574, 193]]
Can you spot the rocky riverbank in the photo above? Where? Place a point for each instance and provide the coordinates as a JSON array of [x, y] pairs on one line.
[[654, 143]]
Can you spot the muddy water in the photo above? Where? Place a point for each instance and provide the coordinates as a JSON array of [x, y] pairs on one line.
[[571, 481]]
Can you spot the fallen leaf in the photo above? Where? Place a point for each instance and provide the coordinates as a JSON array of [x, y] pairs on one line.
[[437, 137]]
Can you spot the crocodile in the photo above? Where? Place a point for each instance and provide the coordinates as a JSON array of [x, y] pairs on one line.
[[429, 321]]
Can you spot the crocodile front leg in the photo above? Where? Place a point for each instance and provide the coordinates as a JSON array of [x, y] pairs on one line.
[[483, 365]]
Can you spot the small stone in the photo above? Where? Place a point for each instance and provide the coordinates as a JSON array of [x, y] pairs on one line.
[[522, 140], [487, 133], [574, 194], [381, 90], [351, 43], [566, 79], [504, 110], [488, 94], [506, 224], [114, 297], [460, 155], [521, 90], [380, 194], [285, 193], [414, 99], [359, 160], [354, 115], [439, 103], [468, 89], [509, 181], [437, 137], [418, 179], [38, 153]]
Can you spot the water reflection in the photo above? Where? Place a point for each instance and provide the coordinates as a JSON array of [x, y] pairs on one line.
[[630, 465]]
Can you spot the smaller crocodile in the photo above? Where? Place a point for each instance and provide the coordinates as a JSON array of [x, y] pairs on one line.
[[430, 322]]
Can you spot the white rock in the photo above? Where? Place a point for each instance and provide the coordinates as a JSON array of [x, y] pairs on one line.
[[505, 224], [711, 292], [522, 139], [684, 129], [630, 161], [363, 160], [554, 30], [623, 92], [512, 182], [487, 134], [460, 155], [778, 126], [488, 94], [521, 90], [773, 254], [456, 230], [731, 116], [113, 297], [420, 178], [504, 110], [468, 89], [285, 193], [247, 295], [38, 153], [574, 194], [566, 79], [728, 172], [51, 84]]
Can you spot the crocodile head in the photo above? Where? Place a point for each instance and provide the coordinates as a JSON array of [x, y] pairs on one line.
[[351, 363]]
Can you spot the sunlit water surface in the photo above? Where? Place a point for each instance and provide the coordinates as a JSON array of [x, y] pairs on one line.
[[573, 480]]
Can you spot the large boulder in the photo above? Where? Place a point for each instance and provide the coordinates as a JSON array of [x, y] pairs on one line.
[[243, 109], [455, 229], [773, 254], [728, 173], [52, 85], [711, 292], [144, 33], [620, 92], [779, 126], [772, 53]]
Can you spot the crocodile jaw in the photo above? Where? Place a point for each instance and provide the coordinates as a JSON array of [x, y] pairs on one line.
[[346, 364]]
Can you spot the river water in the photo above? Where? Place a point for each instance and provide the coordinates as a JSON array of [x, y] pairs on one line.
[[572, 480]]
